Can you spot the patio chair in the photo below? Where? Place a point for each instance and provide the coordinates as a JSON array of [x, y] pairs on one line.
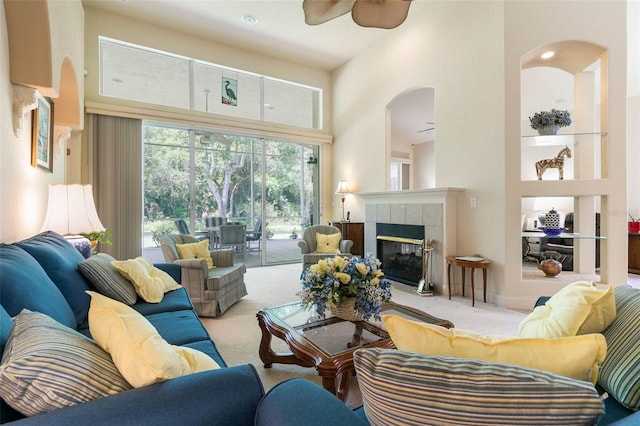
[[233, 235], [255, 235], [183, 228], [308, 245]]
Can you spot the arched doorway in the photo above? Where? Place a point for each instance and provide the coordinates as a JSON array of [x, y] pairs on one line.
[[411, 132]]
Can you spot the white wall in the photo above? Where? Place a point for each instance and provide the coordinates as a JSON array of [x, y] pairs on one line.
[[456, 48], [424, 165], [23, 189]]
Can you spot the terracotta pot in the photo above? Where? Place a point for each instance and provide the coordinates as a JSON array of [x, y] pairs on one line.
[[551, 267]]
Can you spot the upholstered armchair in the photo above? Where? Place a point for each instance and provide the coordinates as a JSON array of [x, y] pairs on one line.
[[311, 253], [212, 291]]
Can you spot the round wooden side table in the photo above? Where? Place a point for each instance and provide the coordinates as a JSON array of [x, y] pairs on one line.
[[480, 264]]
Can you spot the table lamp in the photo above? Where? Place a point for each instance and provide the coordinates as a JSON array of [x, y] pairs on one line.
[[71, 211], [343, 190]]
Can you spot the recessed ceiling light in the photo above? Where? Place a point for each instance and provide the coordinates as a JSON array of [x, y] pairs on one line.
[[249, 19], [547, 55]]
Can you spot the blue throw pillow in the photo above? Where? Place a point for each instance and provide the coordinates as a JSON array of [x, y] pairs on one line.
[[60, 261], [25, 284]]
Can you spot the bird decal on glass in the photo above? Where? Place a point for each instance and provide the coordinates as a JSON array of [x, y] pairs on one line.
[[231, 98]]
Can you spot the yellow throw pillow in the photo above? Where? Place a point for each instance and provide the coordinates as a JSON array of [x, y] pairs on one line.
[[578, 308], [142, 356], [150, 282], [198, 250], [577, 357], [328, 243]]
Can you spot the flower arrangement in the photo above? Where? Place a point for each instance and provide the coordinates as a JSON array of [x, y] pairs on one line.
[[550, 118], [334, 280]]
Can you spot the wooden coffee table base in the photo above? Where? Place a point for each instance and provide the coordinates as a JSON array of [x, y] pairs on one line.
[[336, 370]]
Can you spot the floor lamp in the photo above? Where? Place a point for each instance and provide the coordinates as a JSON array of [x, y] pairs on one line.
[[343, 190]]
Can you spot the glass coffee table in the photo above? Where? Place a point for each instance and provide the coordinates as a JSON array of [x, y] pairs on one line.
[[327, 344]]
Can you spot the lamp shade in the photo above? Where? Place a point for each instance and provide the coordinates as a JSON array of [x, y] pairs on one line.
[[71, 210], [343, 187]]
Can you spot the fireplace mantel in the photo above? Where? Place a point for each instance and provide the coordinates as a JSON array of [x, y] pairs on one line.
[[413, 196]]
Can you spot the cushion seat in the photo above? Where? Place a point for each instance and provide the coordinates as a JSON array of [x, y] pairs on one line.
[[178, 328]]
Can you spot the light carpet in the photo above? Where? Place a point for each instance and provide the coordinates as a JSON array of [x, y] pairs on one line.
[[237, 335]]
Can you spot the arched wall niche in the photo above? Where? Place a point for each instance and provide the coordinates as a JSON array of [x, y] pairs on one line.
[[572, 56], [573, 78], [410, 139], [46, 53]]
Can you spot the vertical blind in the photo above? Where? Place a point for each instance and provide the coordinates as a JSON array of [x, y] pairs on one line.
[[113, 165]]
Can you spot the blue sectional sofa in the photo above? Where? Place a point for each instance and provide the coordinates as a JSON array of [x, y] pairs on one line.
[[41, 274]]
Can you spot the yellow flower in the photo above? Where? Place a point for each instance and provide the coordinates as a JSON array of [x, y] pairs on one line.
[[375, 282], [339, 263], [344, 278], [379, 273], [362, 268]]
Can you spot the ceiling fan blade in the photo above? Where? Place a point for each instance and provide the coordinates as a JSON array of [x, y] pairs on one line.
[[320, 11], [384, 14]]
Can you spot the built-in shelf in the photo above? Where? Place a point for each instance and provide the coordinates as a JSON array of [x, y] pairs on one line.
[[565, 135], [570, 235]]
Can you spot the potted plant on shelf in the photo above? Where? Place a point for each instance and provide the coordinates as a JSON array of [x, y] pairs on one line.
[[634, 225], [549, 122], [353, 289], [99, 237]]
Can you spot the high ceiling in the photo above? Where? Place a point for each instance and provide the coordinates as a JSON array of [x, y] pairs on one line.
[[280, 30]]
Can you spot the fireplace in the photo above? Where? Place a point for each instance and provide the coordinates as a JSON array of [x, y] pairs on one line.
[[400, 249]]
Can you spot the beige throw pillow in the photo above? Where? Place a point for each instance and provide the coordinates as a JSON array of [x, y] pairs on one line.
[[196, 251], [328, 243], [150, 282], [142, 356]]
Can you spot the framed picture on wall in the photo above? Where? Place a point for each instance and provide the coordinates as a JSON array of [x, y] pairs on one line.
[[42, 135]]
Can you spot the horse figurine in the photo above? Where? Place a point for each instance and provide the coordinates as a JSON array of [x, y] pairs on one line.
[[553, 163]]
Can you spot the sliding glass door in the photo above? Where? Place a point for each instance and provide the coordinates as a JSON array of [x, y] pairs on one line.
[[204, 178]]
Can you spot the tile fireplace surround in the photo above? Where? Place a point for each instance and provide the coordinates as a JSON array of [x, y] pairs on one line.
[[435, 209]]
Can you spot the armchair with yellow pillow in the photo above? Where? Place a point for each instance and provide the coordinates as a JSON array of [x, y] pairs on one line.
[[322, 241], [212, 279]]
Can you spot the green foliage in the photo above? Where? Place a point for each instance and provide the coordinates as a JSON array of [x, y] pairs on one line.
[[227, 177], [101, 237], [158, 228]]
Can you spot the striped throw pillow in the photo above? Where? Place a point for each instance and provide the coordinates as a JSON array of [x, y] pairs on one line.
[[107, 279], [406, 388], [47, 366], [620, 371]]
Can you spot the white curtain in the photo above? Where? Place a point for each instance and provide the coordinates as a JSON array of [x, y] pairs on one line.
[[112, 163]]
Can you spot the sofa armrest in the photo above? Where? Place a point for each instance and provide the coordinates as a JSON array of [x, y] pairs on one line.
[[224, 257], [299, 402], [228, 396], [172, 269], [303, 246]]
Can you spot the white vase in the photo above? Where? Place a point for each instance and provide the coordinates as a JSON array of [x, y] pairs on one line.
[[548, 130]]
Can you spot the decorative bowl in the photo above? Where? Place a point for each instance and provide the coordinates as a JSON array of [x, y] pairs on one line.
[[552, 231]]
